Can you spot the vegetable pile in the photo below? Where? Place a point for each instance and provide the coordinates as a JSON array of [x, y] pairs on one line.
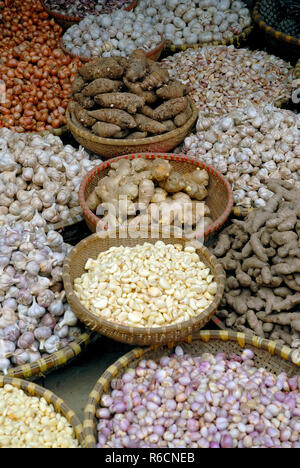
[[223, 78], [143, 194], [30, 422], [118, 34], [261, 256], [35, 319], [36, 73], [146, 285], [185, 22], [115, 98], [39, 179], [81, 8], [183, 401], [249, 145]]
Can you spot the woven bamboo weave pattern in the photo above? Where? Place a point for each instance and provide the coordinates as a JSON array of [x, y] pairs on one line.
[[269, 355]]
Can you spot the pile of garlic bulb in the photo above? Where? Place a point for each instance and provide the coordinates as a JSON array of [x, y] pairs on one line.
[[197, 22], [222, 78], [250, 146], [118, 34], [35, 319], [40, 178]]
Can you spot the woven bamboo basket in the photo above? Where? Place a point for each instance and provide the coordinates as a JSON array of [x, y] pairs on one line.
[[237, 41], [59, 405], [66, 21], [109, 148], [275, 38], [54, 361], [268, 354], [297, 70], [74, 267], [153, 54], [219, 201]]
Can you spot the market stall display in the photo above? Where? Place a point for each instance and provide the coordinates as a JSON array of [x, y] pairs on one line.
[[40, 179], [118, 34], [37, 75], [223, 79], [195, 23], [34, 417], [261, 259], [90, 248], [249, 146], [197, 396], [218, 200]]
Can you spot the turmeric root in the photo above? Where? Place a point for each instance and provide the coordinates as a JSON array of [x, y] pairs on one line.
[[77, 84], [100, 86], [114, 116], [137, 135], [172, 91], [170, 109], [149, 96], [145, 124], [124, 101], [107, 67], [105, 130], [137, 66], [157, 77], [84, 101], [81, 114], [182, 118]]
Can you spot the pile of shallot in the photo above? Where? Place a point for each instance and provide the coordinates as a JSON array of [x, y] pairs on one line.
[[223, 78], [40, 178], [36, 74], [183, 401], [35, 319], [250, 145]]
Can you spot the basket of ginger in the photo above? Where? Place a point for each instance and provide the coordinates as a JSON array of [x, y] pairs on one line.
[[128, 105]]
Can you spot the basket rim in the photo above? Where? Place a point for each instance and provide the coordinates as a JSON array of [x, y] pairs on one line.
[[235, 40], [157, 49], [219, 278], [112, 371], [271, 31], [215, 226], [59, 404], [77, 19], [297, 70], [52, 362], [131, 142]]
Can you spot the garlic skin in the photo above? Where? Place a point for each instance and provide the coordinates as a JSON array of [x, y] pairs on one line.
[[249, 162], [34, 314], [41, 186]]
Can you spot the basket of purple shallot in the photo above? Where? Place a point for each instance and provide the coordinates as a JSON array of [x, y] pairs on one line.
[[208, 393]]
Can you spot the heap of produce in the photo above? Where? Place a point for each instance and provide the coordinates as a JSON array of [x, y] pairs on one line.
[[150, 194], [82, 8], [31, 422], [223, 78], [37, 75], [249, 146], [128, 98], [40, 178], [118, 34], [206, 401], [35, 319], [261, 256], [149, 285], [185, 22]]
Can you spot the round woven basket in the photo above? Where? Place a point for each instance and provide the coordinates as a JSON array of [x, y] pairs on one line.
[[297, 70], [110, 148], [237, 41], [268, 354], [219, 201], [74, 267], [59, 405], [275, 38], [66, 21], [153, 54], [52, 362]]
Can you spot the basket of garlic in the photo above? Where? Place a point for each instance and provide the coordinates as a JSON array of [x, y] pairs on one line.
[[192, 24], [39, 332], [249, 146], [142, 291], [33, 417], [198, 197], [118, 34], [195, 396], [40, 179]]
